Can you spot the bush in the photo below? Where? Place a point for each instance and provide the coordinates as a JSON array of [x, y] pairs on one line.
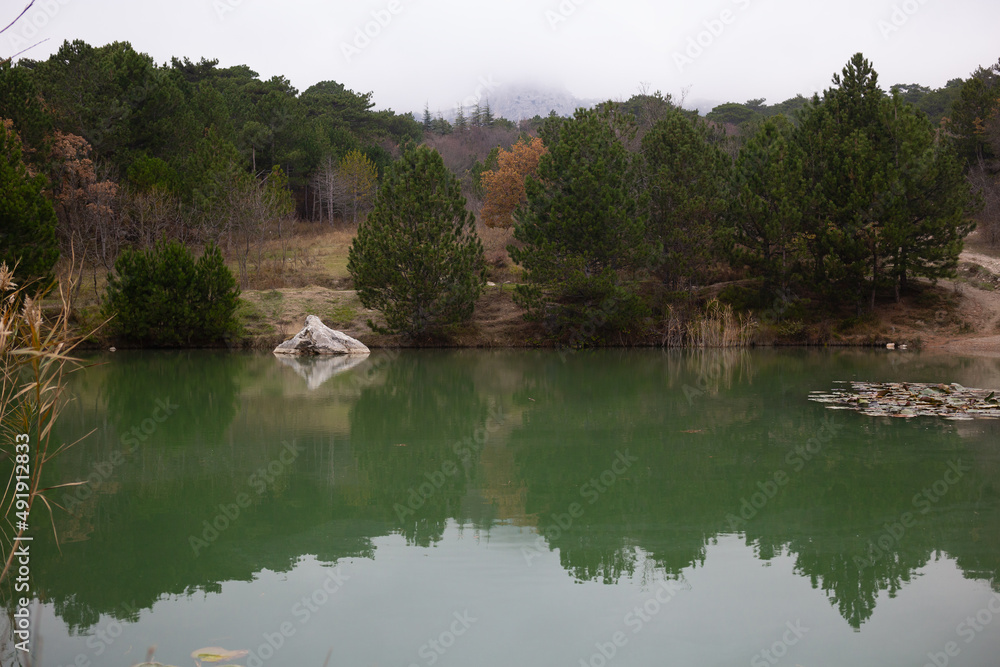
[[163, 297]]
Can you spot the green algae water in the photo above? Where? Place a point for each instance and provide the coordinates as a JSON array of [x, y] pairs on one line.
[[517, 508]]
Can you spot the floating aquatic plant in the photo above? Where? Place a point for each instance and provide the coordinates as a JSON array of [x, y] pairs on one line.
[[912, 399]]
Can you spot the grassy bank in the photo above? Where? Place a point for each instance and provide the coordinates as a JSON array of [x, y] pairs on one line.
[[307, 274]]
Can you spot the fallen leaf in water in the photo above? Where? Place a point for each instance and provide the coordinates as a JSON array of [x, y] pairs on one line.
[[217, 654]]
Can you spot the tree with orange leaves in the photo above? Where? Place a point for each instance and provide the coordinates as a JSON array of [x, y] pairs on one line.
[[85, 204], [505, 186]]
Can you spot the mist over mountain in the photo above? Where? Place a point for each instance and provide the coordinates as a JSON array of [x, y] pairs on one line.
[[517, 101]]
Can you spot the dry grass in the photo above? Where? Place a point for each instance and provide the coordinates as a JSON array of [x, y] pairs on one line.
[[495, 241], [35, 355], [314, 254], [717, 326]]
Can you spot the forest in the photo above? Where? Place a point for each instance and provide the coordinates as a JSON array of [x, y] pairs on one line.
[[615, 218]]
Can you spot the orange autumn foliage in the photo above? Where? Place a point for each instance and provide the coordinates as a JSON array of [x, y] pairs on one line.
[[505, 186]]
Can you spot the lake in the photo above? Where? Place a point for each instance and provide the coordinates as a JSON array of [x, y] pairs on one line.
[[486, 508]]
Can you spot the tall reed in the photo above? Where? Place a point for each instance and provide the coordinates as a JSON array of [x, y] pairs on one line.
[[35, 351], [716, 326]]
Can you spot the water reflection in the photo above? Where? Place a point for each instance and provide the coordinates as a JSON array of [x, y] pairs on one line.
[[316, 370], [624, 465]]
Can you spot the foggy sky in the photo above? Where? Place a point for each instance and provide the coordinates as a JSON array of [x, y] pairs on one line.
[[408, 52]]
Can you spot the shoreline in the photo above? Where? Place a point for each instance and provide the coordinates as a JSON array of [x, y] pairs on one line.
[[959, 316]]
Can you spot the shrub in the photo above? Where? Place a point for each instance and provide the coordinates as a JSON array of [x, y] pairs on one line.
[[163, 297]]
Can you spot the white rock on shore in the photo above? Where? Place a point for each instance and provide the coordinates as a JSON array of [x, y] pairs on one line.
[[317, 338]]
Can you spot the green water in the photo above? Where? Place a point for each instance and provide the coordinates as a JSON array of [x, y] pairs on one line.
[[519, 508]]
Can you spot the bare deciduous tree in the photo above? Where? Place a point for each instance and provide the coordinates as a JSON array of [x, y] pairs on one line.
[[986, 182]]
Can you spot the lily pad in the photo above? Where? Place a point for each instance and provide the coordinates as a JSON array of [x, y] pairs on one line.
[[911, 399]]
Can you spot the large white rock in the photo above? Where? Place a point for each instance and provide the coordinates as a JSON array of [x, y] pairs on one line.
[[317, 338]]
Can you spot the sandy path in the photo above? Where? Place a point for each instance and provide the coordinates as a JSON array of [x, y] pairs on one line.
[[984, 307], [991, 263]]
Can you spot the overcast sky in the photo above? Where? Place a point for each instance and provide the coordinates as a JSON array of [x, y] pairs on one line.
[[441, 51]]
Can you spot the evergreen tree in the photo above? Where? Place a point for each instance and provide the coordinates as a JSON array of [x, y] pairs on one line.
[[487, 116], [928, 203], [440, 125], [686, 177], [21, 102], [978, 100], [428, 121], [461, 122], [27, 218], [583, 228], [161, 296], [888, 200], [492, 163], [769, 195], [417, 257], [843, 144]]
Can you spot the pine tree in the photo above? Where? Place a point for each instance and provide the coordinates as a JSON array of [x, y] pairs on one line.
[[978, 100], [417, 257], [767, 204], [440, 125], [583, 229], [162, 296], [927, 206], [888, 201], [487, 116], [843, 143], [428, 121], [27, 219], [686, 177], [461, 122]]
